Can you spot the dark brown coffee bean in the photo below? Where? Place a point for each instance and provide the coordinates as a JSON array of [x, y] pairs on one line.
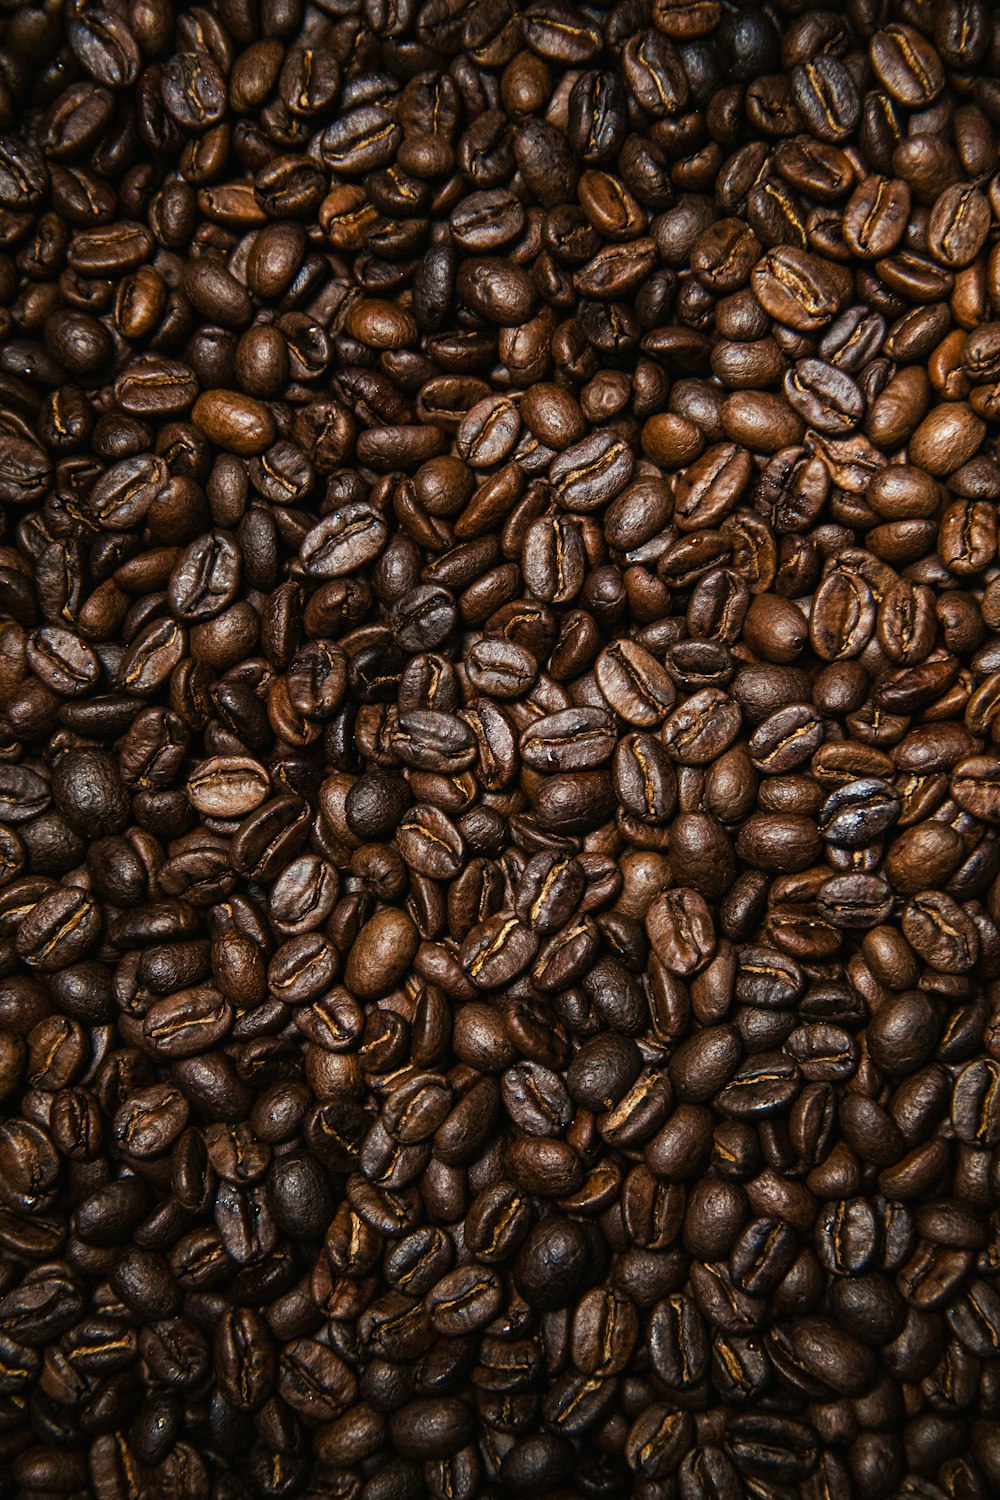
[[907, 65], [380, 954], [244, 1359], [234, 421], [345, 540], [681, 930], [58, 929], [797, 288]]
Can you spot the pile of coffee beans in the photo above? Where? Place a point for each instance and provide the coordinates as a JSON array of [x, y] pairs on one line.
[[499, 750]]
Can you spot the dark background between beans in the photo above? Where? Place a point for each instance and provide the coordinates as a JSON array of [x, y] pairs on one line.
[[499, 771]]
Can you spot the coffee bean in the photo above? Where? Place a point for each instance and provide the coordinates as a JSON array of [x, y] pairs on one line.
[[797, 288], [235, 422], [381, 953]]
